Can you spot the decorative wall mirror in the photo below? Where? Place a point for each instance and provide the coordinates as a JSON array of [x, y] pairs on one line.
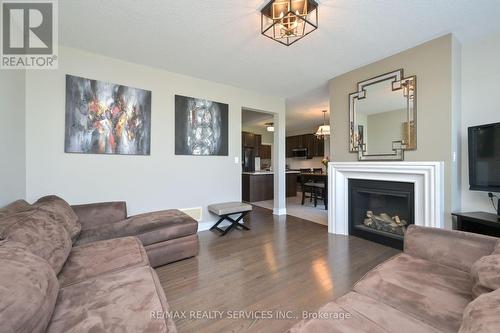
[[383, 117]]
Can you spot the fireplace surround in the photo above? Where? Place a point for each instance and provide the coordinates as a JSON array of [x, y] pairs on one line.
[[426, 177]]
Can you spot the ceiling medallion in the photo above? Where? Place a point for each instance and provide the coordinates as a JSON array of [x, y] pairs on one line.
[[287, 21]]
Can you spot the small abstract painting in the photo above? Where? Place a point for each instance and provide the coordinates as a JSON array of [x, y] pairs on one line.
[[201, 127], [106, 118]]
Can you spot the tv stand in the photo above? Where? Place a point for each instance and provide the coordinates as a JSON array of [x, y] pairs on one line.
[[479, 223]]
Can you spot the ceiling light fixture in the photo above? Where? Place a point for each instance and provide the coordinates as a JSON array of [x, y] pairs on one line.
[[323, 130], [287, 21], [270, 127]]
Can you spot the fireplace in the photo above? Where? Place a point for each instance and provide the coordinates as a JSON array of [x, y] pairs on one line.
[[381, 211]]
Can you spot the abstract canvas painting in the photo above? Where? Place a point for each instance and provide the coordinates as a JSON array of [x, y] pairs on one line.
[[201, 127], [106, 118]]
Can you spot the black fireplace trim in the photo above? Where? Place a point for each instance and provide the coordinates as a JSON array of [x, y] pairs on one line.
[[394, 189]]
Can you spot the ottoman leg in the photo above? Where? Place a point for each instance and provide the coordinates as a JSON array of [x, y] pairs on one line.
[[218, 222]]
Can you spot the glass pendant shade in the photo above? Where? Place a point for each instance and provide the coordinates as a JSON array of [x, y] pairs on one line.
[[323, 130], [287, 21]]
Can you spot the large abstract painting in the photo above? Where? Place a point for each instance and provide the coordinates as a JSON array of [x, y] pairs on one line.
[[201, 127], [106, 118]]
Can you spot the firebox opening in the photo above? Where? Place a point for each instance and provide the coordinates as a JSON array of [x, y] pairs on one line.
[[381, 211]]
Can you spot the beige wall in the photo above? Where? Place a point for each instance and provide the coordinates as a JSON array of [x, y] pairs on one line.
[[480, 88], [159, 181], [12, 136], [432, 63]]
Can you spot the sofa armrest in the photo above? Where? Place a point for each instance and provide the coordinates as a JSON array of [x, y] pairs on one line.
[[456, 249], [95, 214]]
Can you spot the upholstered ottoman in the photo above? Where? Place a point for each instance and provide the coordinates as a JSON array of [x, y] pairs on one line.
[[224, 210], [168, 235]]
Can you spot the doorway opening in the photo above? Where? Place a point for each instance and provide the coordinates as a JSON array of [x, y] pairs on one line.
[[257, 157]]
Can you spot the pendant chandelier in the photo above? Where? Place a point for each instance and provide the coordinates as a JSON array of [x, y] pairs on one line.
[[287, 21], [323, 130]]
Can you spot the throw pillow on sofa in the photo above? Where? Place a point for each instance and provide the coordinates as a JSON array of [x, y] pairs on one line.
[[482, 314], [486, 273], [28, 291], [40, 233], [63, 213], [15, 207]]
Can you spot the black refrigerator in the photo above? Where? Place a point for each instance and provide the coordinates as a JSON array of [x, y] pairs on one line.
[[248, 159]]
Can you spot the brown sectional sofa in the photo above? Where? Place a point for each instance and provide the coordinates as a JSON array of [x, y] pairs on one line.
[[428, 288], [79, 269], [168, 235]]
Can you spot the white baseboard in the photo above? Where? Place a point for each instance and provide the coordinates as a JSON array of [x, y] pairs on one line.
[[204, 226], [278, 211]]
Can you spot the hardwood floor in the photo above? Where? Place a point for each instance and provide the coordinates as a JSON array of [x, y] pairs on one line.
[[282, 264]]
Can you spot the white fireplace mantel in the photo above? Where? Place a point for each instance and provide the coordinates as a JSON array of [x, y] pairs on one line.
[[427, 178]]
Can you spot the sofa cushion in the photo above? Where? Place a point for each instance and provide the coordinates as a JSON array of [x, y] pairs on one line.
[[486, 275], [432, 293], [14, 207], [94, 259], [116, 302], [497, 248], [95, 214], [150, 228], [385, 316], [62, 213], [482, 314], [335, 319], [440, 246], [28, 290], [166, 252], [38, 231]]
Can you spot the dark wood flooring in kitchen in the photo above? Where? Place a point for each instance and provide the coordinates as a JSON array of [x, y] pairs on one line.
[[282, 264]]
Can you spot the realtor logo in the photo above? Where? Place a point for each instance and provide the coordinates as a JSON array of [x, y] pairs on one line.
[[29, 34]]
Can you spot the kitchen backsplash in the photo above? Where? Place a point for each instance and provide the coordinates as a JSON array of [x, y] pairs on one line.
[[296, 163]]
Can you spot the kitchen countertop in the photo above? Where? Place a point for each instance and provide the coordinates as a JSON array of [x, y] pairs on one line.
[[261, 173]]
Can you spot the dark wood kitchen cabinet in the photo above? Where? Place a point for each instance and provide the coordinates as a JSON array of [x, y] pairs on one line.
[[315, 146], [265, 151], [290, 145], [251, 140], [259, 186]]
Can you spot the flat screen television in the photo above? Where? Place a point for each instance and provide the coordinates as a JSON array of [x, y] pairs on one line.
[[484, 158]]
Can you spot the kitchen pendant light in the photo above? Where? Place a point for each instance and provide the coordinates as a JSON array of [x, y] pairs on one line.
[[323, 130], [287, 21]]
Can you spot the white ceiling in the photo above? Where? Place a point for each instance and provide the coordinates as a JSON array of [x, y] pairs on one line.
[[220, 40], [255, 120]]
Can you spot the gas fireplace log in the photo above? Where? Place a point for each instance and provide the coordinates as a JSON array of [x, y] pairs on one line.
[[385, 222]]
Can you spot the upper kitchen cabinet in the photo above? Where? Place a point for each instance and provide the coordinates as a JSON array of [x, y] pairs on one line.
[[315, 147], [265, 151], [318, 146], [251, 140], [292, 142]]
